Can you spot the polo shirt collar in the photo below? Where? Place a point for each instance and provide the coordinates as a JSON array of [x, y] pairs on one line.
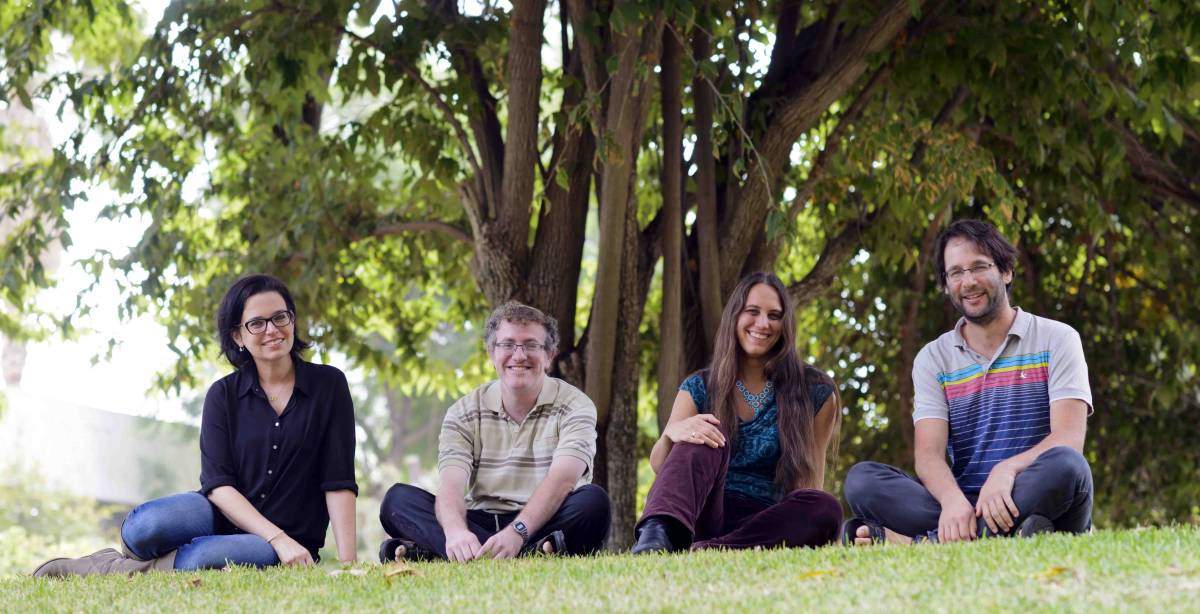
[[1019, 328], [492, 398], [248, 377]]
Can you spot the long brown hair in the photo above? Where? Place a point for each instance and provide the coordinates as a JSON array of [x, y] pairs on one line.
[[799, 450]]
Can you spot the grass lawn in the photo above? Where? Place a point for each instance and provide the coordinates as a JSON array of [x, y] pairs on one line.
[[1150, 569]]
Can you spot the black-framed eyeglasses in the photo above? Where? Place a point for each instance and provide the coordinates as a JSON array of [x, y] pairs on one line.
[[258, 326], [528, 346], [956, 275]]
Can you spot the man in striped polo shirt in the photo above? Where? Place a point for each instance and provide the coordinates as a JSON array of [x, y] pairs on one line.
[[1005, 397], [514, 459]]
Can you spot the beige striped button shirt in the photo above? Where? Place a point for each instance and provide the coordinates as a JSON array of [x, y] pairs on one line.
[[505, 459]]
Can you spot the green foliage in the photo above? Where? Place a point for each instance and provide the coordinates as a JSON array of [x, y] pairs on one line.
[[39, 524]]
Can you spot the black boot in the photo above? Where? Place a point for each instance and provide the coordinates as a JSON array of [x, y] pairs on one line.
[[655, 536], [397, 549]]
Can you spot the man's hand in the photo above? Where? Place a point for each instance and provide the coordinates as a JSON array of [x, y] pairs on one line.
[[995, 504], [957, 522], [462, 546], [290, 552], [504, 545]]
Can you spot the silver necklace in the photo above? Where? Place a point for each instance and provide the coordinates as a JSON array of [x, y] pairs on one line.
[[760, 400]]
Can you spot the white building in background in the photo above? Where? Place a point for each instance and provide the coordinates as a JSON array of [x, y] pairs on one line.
[[106, 456]]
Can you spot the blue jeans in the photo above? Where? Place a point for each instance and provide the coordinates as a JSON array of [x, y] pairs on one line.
[[185, 522]]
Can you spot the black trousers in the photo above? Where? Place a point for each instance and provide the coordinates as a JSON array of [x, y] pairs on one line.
[[1057, 485], [584, 518]]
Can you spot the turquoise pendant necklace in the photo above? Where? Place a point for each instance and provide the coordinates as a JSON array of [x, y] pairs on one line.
[[760, 400]]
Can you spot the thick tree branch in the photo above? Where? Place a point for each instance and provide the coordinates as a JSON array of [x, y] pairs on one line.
[[449, 230], [1151, 169], [524, 66], [845, 244], [792, 115], [435, 95]]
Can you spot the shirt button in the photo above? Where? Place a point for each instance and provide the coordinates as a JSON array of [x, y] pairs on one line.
[[274, 447], [263, 496], [276, 424], [268, 472]]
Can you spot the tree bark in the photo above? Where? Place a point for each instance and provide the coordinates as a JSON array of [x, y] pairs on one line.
[[797, 109], [617, 144], [708, 254], [670, 359]]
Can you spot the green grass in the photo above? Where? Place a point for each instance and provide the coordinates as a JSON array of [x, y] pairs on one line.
[[1150, 569]]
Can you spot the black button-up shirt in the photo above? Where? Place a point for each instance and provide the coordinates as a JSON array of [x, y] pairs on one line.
[[283, 464]]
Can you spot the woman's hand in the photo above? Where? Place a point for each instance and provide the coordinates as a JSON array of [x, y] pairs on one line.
[[290, 552], [698, 429]]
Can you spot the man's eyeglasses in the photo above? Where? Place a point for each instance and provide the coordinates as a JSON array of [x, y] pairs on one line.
[[280, 319], [528, 346], [956, 275]]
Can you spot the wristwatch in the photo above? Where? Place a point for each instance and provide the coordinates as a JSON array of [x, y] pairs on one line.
[[521, 530]]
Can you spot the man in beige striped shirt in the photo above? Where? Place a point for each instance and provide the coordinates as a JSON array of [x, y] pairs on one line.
[[515, 461]]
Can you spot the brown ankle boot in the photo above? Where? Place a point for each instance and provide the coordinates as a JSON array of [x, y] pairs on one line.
[[106, 561]]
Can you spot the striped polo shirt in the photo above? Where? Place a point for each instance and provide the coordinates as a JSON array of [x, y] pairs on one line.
[[998, 406], [506, 459]]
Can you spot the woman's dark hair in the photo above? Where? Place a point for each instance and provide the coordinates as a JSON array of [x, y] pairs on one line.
[[800, 452], [229, 316], [986, 239]]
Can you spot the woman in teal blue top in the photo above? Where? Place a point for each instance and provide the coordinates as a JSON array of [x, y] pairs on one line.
[[741, 461]]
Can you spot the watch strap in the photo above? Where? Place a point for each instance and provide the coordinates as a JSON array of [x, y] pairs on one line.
[[521, 530]]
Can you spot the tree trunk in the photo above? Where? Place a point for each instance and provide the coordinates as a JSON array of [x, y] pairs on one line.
[[620, 437], [618, 146], [708, 254], [910, 334], [670, 359]]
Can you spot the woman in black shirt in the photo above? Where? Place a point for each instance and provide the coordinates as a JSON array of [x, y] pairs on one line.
[[276, 457]]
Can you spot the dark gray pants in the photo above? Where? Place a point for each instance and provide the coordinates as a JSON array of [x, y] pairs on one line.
[[584, 518], [1057, 485]]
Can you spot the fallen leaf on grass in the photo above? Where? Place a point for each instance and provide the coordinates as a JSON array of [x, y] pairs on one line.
[[195, 583], [819, 573], [353, 572], [401, 570], [1054, 573]]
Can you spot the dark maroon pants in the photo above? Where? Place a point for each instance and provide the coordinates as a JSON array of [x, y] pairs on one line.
[[691, 490]]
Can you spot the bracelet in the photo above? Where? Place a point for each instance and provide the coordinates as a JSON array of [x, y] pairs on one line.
[[276, 536]]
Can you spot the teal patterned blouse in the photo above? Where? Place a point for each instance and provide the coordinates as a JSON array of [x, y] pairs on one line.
[[752, 466]]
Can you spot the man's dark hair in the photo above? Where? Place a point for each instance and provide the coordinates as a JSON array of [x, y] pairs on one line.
[[229, 316], [986, 239]]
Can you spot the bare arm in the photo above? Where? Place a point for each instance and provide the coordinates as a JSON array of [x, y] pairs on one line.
[[957, 520], [551, 492], [1068, 427], [450, 507], [244, 516], [930, 437], [340, 504], [543, 503], [683, 422], [824, 425]]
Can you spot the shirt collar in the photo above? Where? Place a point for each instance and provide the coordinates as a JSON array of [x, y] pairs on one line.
[[248, 377], [1019, 328], [493, 401]]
